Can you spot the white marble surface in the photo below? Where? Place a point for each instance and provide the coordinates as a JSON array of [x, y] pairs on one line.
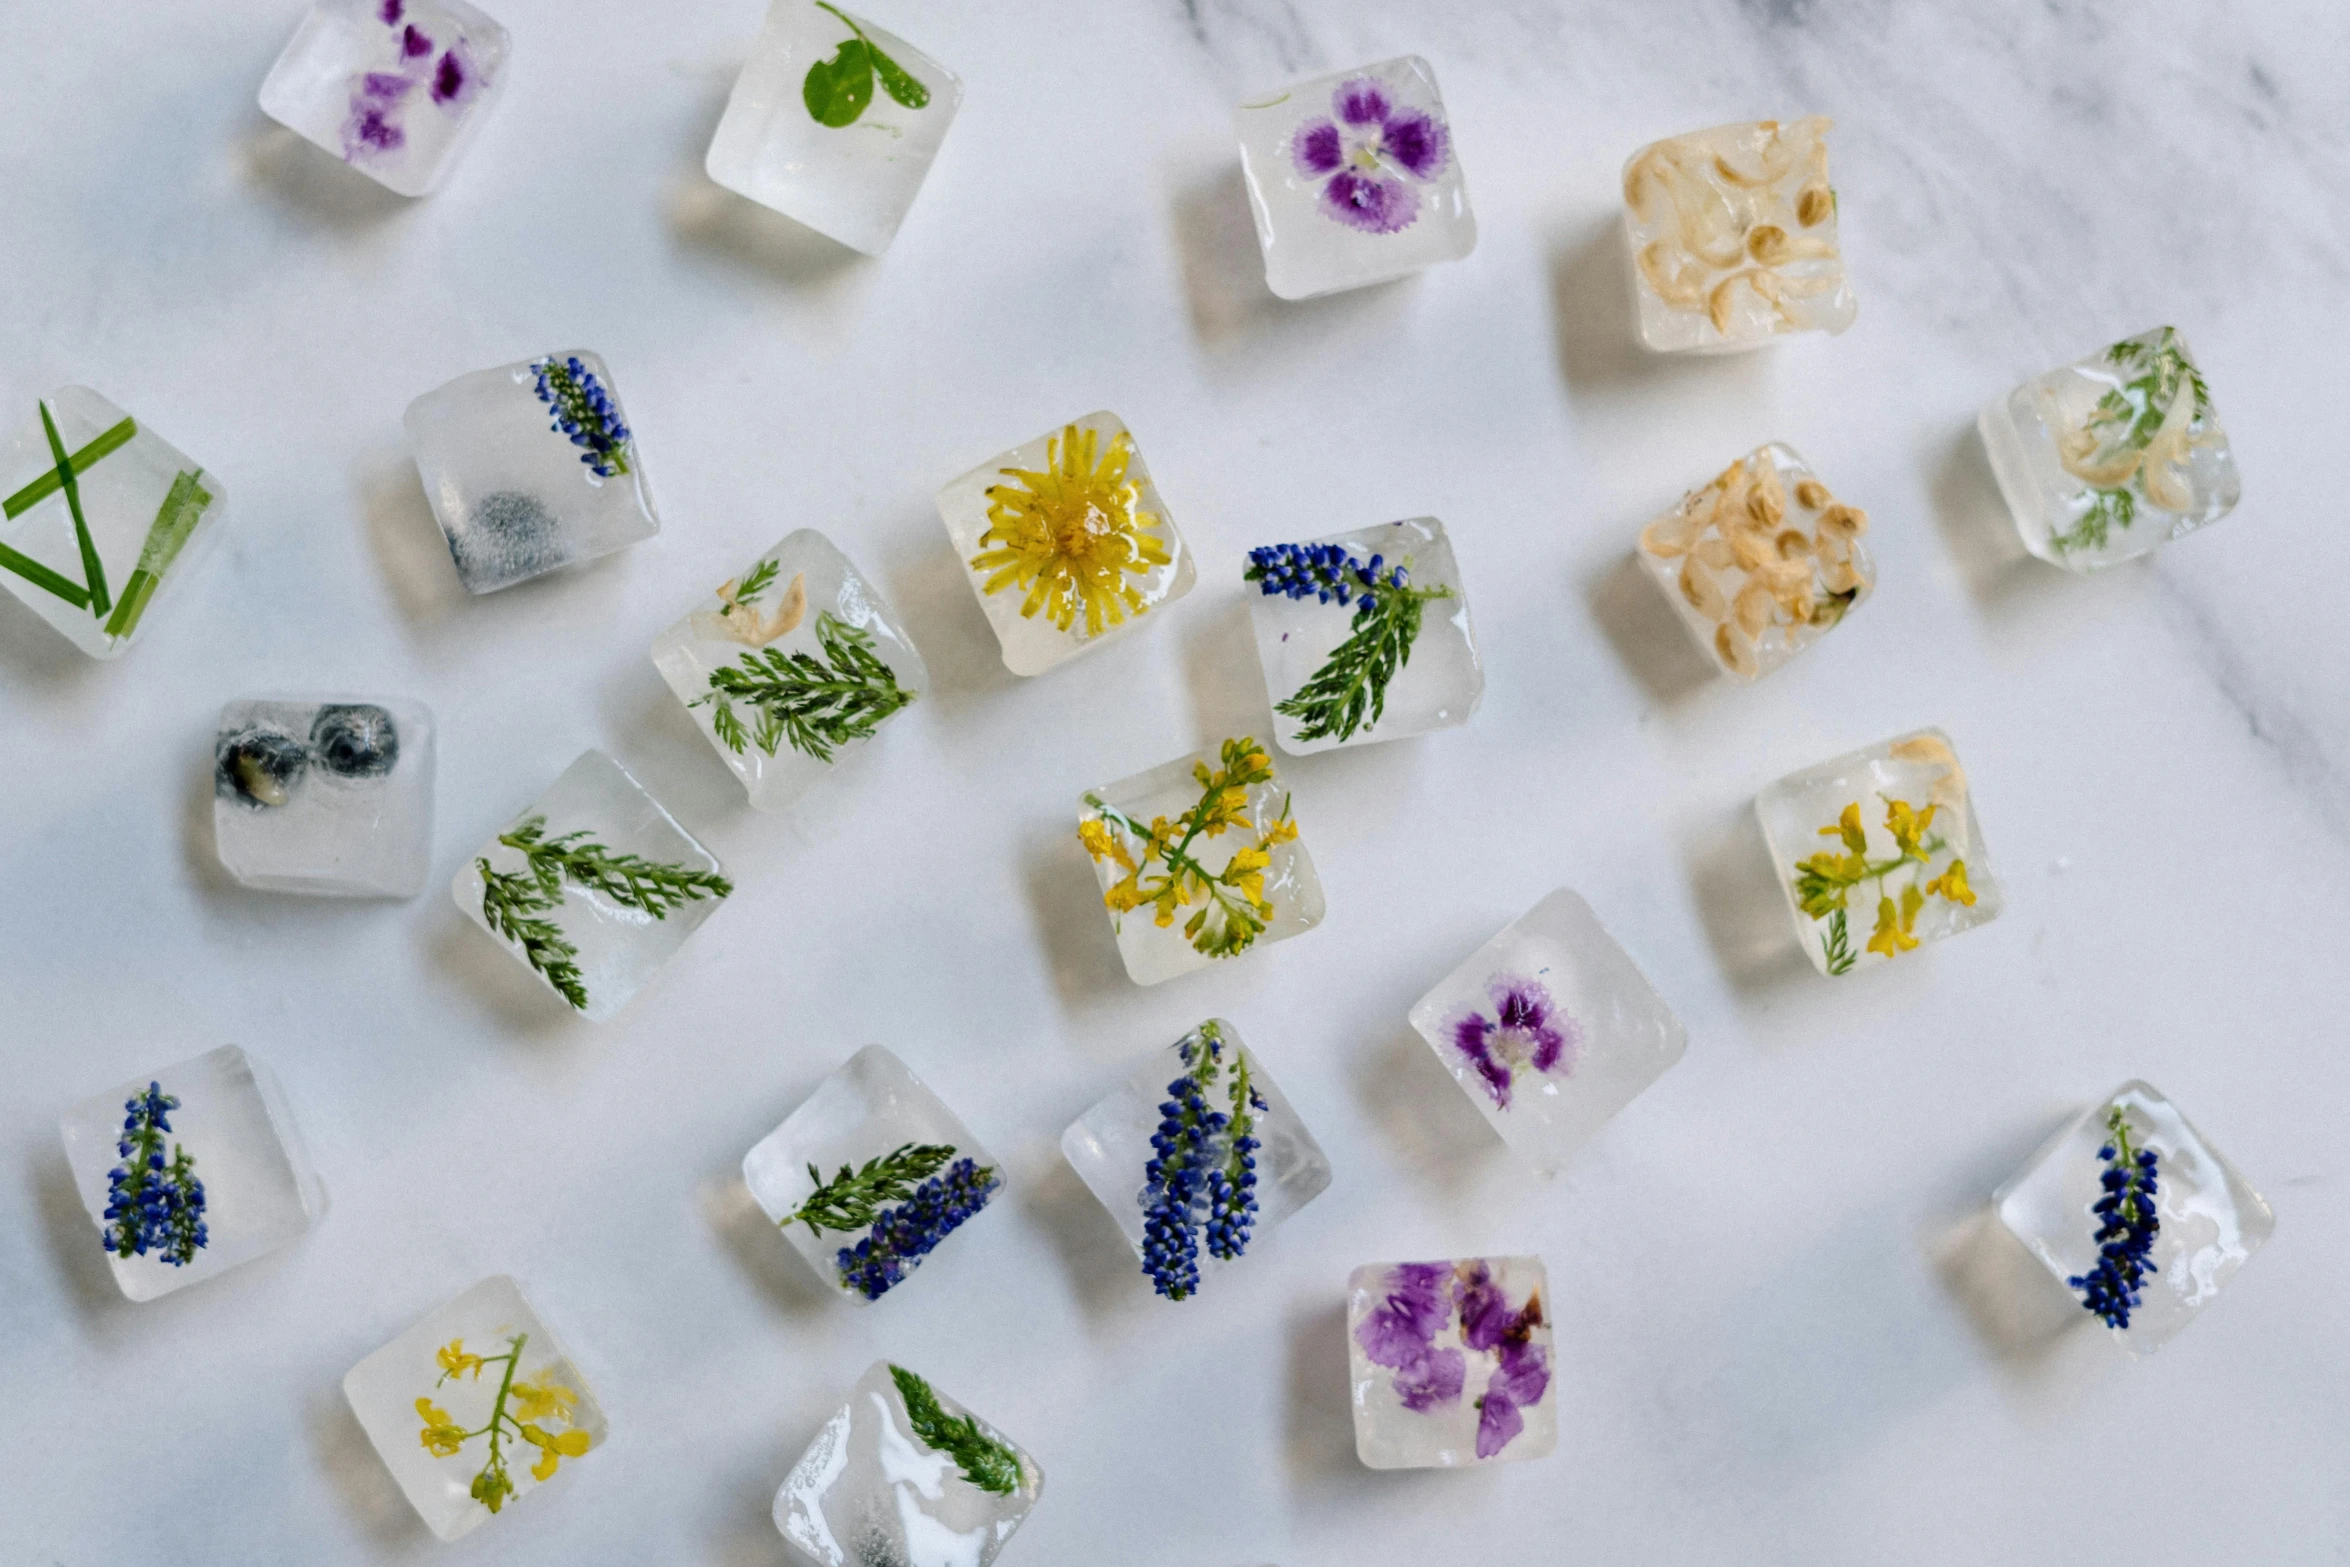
[[1785, 1334]]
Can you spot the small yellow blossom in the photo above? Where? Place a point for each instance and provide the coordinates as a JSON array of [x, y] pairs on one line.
[[1245, 874], [442, 1436], [455, 1362], [1848, 828], [1908, 826], [1895, 932], [1070, 535], [1104, 842], [553, 1447], [1952, 884], [544, 1400], [1281, 832]]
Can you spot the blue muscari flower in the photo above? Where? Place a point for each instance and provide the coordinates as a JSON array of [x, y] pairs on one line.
[[2127, 1225], [1201, 1182], [902, 1236], [584, 411], [152, 1205], [1323, 572]]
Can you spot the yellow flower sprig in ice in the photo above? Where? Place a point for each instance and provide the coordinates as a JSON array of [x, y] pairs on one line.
[[1825, 881], [1161, 871], [523, 1411], [1068, 537]]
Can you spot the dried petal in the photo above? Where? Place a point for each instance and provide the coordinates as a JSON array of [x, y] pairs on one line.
[[1751, 610], [1792, 545], [1814, 205], [1848, 521], [1735, 651], [1812, 495], [1768, 244], [1768, 504], [1669, 535], [1717, 553], [1703, 593]]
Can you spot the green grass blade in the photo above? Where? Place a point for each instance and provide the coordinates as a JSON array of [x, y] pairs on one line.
[[41, 576], [174, 522], [93, 570], [83, 461]]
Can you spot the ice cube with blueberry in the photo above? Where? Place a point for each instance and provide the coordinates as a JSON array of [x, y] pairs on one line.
[[1451, 1362], [395, 88], [328, 796]]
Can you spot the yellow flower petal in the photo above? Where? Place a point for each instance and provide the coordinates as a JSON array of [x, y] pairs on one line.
[[1072, 533], [1952, 884], [1848, 828], [1891, 938]]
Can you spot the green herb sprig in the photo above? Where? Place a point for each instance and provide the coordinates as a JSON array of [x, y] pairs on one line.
[[986, 1462], [2131, 415], [814, 702], [853, 1199], [512, 901], [837, 90], [1349, 691]]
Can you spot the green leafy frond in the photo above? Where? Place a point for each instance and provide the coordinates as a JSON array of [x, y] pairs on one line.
[[1349, 691], [511, 902], [986, 1462], [853, 1199], [814, 702], [655, 887]]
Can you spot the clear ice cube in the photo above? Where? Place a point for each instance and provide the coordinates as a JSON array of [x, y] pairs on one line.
[[596, 886], [94, 557], [1217, 904], [324, 795], [1451, 1362], [245, 1187], [1198, 1156], [2209, 1220], [531, 467], [1550, 1029], [791, 667], [834, 123], [1301, 623], [487, 1373], [904, 1476], [1761, 562], [2112, 456], [1879, 851], [870, 1175], [1354, 179], [1733, 237], [1066, 542], [394, 88]]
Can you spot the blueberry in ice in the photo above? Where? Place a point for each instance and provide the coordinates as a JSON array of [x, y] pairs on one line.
[[355, 740], [259, 767], [510, 535]]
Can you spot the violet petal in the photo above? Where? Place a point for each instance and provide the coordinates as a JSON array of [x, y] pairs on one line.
[[386, 86], [1522, 1374], [1486, 1318], [1416, 142], [456, 80], [391, 11], [1434, 1378], [1365, 202], [1360, 101], [1316, 148], [1498, 1422], [1472, 1036], [1398, 1331], [414, 44]]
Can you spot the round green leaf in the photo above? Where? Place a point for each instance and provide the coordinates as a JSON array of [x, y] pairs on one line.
[[837, 90]]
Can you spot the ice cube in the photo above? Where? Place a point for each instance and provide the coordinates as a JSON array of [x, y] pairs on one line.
[[1550, 1029], [474, 1406], [394, 88], [2112, 456], [1354, 179], [324, 795], [792, 668], [594, 887], [1760, 563], [531, 467], [2207, 1220], [1336, 617], [1239, 873], [93, 556], [1882, 841], [1733, 237], [1198, 1155], [191, 1170], [1066, 542], [1451, 1362], [870, 1175], [834, 123], [904, 1476]]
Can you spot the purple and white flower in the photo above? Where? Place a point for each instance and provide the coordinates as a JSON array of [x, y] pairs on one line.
[[1422, 1301], [1528, 1032], [378, 97], [1369, 156]]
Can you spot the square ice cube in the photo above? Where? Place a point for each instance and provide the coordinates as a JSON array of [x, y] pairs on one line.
[[782, 693], [1883, 839], [1733, 237], [870, 1174], [834, 123], [1354, 179], [1364, 636], [531, 467], [1760, 563], [1066, 541], [474, 1406], [2112, 456], [1451, 1362], [1230, 872], [394, 88], [904, 1476], [329, 796], [1550, 1029], [1197, 1155], [92, 556], [2208, 1221], [594, 887], [191, 1170]]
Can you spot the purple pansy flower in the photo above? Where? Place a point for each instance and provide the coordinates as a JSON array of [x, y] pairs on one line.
[[1527, 1032], [1366, 155]]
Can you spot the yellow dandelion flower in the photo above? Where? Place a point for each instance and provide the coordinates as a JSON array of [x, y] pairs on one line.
[[1952, 884], [442, 1436], [1894, 934], [455, 1362], [1908, 826], [1068, 537]]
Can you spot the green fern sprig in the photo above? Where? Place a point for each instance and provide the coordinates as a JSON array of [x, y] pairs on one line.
[[986, 1462], [1349, 691], [513, 901], [816, 704], [853, 1199]]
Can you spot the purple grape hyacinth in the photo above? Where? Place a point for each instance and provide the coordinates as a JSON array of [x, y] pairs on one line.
[[1527, 1032], [1368, 156], [153, 1206], [902, 1236], [1422, 1301]]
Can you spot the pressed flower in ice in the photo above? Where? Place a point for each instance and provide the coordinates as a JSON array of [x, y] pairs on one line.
[[1527, 1032], [1437, 1323], [1070, 535], [1369, 156]]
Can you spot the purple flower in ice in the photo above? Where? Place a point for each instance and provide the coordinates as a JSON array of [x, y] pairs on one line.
[[1423, 1300], [1400, 1334], [1527, 1032], [373, 125], [391, 11], [1368, 155], [456, 79], [1521, 1373], [414, 44]]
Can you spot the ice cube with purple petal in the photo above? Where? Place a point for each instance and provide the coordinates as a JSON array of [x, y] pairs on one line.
[[395, 88], [1451, 1362]]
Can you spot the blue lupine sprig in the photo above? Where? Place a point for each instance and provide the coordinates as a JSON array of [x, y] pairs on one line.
[[1201, 1181], [153, 1204], [902, 1236], [2127, 1223], [1349, 691], [585, 412]]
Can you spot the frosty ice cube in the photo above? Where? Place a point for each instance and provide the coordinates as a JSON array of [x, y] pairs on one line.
[[904, 1476], [794, 666], [1550, 1029], [1197, 1155], [531, 467], [1364, 636], [1733, 237], [1066, 541], [99, 518], [870, 1175], [2112, 456], [1354, 179], [594, 887], [1228, 873], [394, 88], [474, 1406], [329, 796], [191, 1170], [1451, 1362], [834, 123], [2137, 1215], [1760, 563]]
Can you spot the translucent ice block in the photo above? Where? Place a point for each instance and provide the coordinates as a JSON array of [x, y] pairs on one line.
[[394, 88], [1451, 1362], [331, 796], [214, 1172], [1354, 179]]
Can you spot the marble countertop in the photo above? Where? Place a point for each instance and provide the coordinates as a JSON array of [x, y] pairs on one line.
[[1787, 1332]]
